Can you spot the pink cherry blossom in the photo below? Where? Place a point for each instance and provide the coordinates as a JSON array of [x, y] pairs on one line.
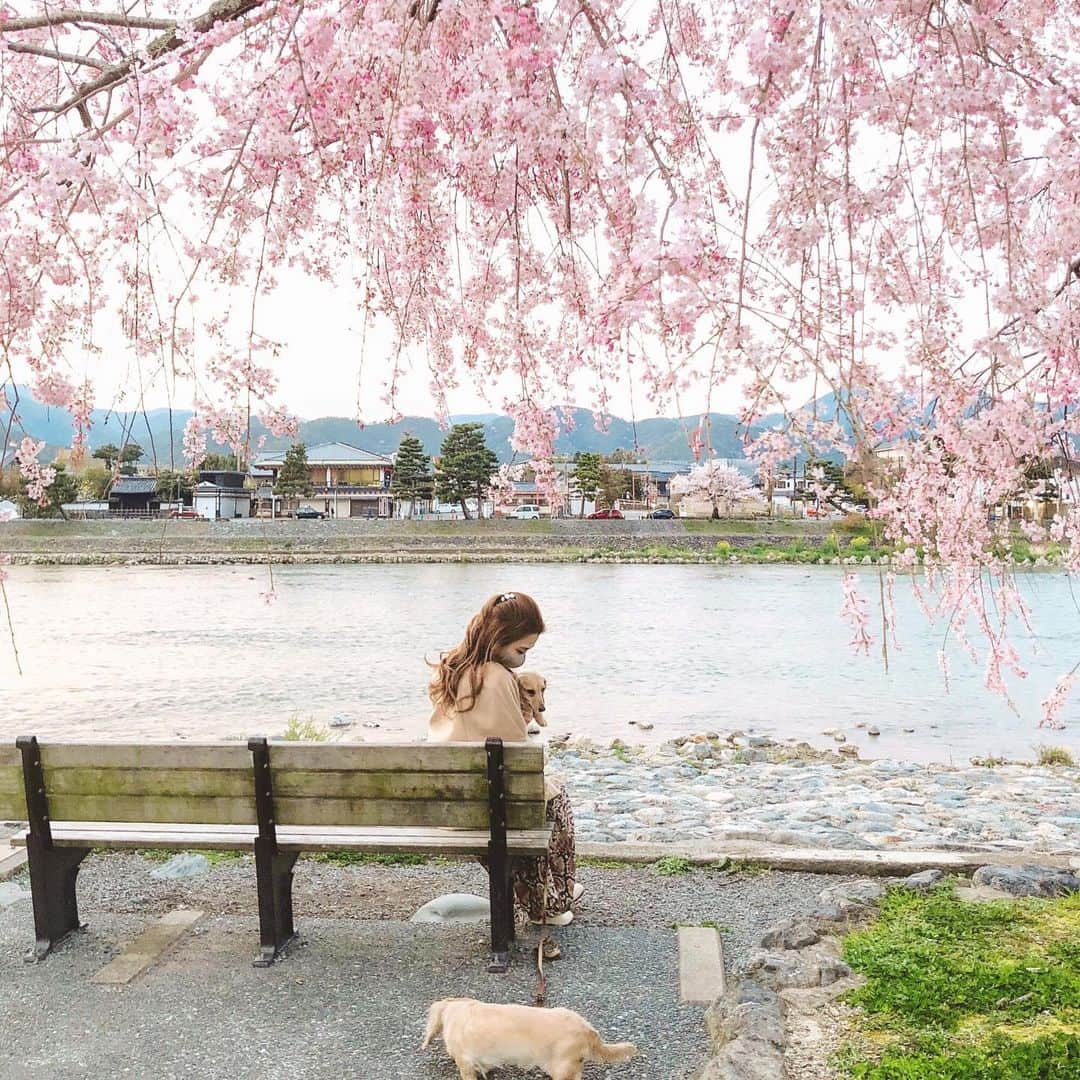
[[874, 200]]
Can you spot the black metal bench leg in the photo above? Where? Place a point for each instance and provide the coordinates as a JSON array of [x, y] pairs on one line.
[[53, 873], [274, 874], [501, 898]]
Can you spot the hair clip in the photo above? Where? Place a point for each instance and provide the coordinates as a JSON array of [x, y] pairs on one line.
[[506, 597]]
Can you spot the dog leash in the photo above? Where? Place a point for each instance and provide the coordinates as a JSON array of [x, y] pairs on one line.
[[541, 978]]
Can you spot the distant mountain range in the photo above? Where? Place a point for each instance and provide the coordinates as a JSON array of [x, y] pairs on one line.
[[156, 430]]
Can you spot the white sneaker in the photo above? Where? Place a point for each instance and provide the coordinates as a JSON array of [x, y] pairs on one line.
[[578, 890], [565, 919]]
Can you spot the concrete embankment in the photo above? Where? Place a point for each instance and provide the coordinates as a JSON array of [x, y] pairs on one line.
[[178, 542]]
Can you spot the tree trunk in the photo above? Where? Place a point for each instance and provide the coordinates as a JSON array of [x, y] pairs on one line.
[[464, 508]]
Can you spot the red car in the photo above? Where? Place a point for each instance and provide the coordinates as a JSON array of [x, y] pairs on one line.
[[606, 515], [183, 514]]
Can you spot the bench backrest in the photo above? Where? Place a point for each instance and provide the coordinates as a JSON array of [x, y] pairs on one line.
[[426, 785]]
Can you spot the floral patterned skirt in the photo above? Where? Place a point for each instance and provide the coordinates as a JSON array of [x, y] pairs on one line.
[[554, 872]]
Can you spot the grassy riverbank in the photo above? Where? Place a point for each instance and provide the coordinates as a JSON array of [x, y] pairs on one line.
[[966, 990], [167, 542]]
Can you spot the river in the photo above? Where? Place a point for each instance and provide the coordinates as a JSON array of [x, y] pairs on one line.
[[197, 652]]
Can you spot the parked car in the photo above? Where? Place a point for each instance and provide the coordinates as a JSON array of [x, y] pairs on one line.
[[662, 514], [309, 512], [183, 514], [525, 512], [606, 515]]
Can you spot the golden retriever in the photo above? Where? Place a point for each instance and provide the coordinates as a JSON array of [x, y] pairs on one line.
[[531, 687], [479, 1037]]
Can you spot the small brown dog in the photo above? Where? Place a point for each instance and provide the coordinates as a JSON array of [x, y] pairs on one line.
[[531, 687], [479, 1036]]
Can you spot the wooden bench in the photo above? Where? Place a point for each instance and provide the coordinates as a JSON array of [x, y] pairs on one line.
[[277, 800]]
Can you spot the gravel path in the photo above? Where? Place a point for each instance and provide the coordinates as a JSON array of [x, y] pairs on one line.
[[350, 999], [742, 904]]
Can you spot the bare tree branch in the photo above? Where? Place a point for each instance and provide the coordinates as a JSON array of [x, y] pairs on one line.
[[102, 18], [71, 58], [219, 11]]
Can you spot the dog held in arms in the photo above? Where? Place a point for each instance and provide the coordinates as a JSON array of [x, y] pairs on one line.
[[531, 687], [479, 1037]]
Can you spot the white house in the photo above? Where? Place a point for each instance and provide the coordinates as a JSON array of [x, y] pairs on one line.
[[346, 480], [221, 495]]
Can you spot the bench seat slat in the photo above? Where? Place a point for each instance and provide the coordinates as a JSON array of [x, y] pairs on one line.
[[288, 783], [435, 813], [12, 793], [376, 757], [124, 835], [408, 757]]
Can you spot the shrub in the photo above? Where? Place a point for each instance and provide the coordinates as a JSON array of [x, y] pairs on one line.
[[854, 523], [860, 543], [297, 730], [1055, 755]]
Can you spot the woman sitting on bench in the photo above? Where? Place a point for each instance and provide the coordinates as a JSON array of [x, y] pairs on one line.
[[476, 697]]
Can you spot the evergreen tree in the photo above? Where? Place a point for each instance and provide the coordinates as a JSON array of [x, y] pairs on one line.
[[588, 477], [832, 476], [465, 468], [294, 478], [412, 478], [614, 484], [222, 463], [173, 486], [107, 453]]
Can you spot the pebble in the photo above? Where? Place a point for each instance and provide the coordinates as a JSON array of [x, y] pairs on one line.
[[708, 790]]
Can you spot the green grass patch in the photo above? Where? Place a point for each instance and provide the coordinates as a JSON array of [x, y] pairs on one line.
[[959, 991], [603, 864], [163, 855], [372, 858], [672, 866]]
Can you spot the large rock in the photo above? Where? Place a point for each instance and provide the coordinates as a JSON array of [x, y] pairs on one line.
[[747, 1028], [1028, 880], [12, 893], [848, 893], [817, 965], [454, 908], [923, 881], [790, 934], [184, 865]]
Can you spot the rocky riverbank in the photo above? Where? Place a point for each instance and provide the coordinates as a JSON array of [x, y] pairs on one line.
[[708, 788]]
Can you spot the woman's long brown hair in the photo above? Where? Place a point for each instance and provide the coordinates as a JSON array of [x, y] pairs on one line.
[[504, 619]]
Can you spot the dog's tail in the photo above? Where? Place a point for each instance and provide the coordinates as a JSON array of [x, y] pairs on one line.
[[610, 1052], [434, 1022]]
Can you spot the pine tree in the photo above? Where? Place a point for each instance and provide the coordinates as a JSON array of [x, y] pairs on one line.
[[588, 477], [466, 465], [295, 475], [412, 478]]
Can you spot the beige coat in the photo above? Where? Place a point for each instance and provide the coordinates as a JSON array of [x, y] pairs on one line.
[[496, 714]]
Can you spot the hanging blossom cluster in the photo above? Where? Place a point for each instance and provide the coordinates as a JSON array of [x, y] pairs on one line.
[[876, 197]]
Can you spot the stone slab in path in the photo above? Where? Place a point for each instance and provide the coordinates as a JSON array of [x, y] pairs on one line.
[[146, 948], [349, 1002]]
